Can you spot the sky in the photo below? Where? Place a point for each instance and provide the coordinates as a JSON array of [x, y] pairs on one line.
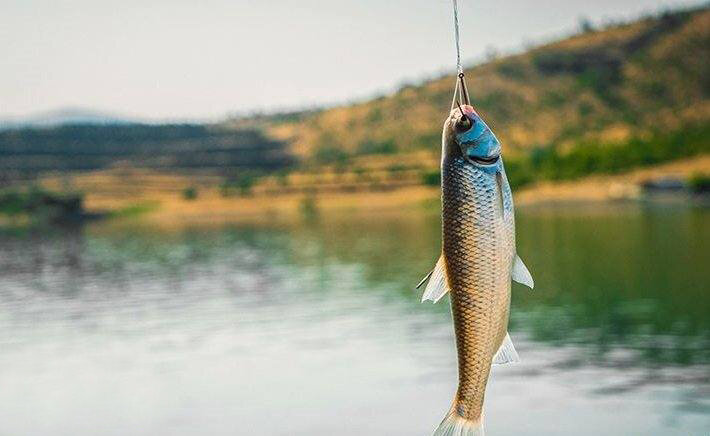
[[199, 60]]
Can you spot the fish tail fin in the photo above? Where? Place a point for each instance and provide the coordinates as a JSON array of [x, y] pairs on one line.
[[456, 425]]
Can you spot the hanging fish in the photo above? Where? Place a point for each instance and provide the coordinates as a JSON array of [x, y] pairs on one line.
[[478, 259]]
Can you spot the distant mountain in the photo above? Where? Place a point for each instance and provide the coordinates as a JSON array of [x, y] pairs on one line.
[[29, 152], [64, 116]]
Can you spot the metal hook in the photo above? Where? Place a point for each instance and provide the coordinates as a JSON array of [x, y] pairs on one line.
[[464, 90]]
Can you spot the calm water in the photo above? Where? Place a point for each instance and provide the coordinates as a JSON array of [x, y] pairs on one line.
[[313, 329]]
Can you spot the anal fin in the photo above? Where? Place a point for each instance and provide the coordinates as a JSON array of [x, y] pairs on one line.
[[506, 353]]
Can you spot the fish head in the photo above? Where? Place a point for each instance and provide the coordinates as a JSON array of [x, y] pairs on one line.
[[473, 138]]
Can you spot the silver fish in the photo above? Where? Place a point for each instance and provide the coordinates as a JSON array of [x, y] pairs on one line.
[[477, 262]]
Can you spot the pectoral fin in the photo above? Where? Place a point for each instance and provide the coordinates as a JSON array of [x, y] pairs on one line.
[[438, 284], [521, 274], [506, 353]]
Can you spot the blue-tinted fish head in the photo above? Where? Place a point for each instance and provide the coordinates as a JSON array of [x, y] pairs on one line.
[[478, 143]]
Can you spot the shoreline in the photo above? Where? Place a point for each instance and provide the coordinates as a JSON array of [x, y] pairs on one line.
[[210, 207], [141, 195]]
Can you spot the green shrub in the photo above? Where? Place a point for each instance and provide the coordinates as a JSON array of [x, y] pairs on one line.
[[375, 115], [360, 172], [282, 178], [429, 141], [518, 172], [40, 203], [431, 178], [377, 147], [189, 193], [396, 168], [240, 183], [512, 69], [326, 154], [553, 99], [699, 183]]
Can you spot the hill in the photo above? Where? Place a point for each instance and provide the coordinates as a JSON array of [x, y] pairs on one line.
[[63, 116], [642, 85]]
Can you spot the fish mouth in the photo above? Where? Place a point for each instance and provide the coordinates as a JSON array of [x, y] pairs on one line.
[[485, 160]]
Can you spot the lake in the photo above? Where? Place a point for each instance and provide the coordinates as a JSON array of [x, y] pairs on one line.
[[313, 328]]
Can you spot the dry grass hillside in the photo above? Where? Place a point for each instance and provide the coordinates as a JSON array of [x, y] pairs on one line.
[[607, 86]]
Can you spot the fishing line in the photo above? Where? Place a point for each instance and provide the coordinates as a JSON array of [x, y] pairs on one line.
[[460, 89], [459, 68]]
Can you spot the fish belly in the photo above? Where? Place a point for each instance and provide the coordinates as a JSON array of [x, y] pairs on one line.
[[478, 239]]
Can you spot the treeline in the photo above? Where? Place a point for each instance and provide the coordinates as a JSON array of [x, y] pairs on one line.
[[552, 163], [585, 159], [42, 205], [84, 147]]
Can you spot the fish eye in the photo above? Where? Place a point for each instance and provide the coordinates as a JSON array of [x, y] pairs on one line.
[[463, 124]]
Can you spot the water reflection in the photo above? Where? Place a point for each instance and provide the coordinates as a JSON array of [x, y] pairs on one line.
[[290, 329]]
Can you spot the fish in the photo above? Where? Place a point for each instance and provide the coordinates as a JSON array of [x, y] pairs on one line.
[[477, 262]]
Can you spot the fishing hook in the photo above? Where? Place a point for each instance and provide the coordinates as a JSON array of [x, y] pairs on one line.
[[464, 90]]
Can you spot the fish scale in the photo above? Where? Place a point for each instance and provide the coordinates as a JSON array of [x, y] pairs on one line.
[[478, 248], [477, 262]]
